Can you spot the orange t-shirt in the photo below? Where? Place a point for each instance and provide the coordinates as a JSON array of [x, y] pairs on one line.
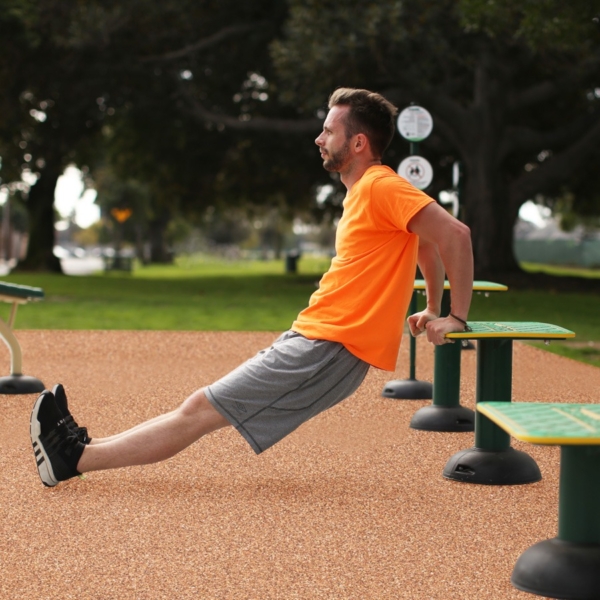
[[363, 298]]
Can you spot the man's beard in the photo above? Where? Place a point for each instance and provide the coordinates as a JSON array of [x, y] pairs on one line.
[[336, 160]]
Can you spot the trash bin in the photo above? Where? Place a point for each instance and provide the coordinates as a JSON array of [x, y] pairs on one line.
[[291, 261], [118, 262]]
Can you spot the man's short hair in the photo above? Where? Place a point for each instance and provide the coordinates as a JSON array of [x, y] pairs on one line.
[[370, 113]]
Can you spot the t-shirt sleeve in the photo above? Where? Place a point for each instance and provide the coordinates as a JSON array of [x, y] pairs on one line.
[[395, 202]]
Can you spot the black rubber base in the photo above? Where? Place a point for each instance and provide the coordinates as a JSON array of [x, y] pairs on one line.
[[558, 569], [408, 389], [443, 418], [509, 467], [20, 384]]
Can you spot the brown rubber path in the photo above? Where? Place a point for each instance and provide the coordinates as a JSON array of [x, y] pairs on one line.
[[350, 506]]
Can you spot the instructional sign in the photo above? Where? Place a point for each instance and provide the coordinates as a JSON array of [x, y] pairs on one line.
[[415, 123], [416, 170]]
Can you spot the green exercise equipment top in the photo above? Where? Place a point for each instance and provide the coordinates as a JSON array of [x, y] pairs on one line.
[[514, 330], [478, 286], [12, 291], [546, 423]]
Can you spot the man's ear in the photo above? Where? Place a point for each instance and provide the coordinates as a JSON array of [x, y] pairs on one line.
[[361, 142]]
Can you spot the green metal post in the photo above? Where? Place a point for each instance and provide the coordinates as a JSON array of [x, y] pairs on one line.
[[579, 496], [494, 384], [446, 375], [414, 150], [446, 371]]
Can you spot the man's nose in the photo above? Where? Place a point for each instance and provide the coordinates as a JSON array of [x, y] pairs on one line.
[[319, 141]]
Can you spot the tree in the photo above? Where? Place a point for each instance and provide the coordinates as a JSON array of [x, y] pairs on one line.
[[112, 87], [499, 79], [208, 110], [50, 114], [512, 86], [225, 161]]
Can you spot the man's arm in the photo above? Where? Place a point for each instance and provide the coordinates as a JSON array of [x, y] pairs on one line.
[[432, 268], [444, 245]]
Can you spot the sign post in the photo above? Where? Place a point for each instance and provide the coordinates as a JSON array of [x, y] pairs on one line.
[[414, 124]]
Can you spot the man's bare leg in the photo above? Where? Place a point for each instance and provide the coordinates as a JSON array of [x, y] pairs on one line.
[[116, 436], [157, 439]]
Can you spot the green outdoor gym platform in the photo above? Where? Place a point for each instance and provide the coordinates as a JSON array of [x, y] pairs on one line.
[[492, 461], [567, 566], [444, 393]]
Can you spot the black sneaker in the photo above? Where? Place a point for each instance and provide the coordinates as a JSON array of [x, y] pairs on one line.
[[60, 398], [57, 449]]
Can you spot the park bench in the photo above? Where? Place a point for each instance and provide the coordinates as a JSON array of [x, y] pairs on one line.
[[16, 382], [492, 461], [567, 566], [445, 412]]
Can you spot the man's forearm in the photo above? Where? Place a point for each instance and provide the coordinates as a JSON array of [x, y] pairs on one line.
[[457, 257], [443, 234], [432, 269]]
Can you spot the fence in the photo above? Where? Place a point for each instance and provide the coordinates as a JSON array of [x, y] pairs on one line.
[[585, 253]]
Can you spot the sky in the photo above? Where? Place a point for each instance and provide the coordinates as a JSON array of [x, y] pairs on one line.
[[70, 198], [534, 213]]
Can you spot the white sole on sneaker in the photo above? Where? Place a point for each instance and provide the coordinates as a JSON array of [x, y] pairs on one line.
[[41, 458]]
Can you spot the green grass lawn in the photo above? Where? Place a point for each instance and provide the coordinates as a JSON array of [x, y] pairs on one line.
[[561, 270], [191, 295], [201, 293]]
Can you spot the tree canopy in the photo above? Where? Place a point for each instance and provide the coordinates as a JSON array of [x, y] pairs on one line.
[[217, 103], [513, 87]]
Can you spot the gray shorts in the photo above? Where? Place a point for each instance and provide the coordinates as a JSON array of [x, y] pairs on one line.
[[283, 386]]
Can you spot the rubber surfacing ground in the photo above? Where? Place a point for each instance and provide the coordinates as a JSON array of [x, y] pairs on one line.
[[350, 506]]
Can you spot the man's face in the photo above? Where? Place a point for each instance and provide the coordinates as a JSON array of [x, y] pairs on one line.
[[333, 143]]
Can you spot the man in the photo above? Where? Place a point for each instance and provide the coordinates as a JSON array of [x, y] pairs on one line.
[[353, 321]]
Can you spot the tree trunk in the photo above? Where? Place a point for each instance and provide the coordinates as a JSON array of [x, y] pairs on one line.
[[487, 211], [40, 209], [487, 208]]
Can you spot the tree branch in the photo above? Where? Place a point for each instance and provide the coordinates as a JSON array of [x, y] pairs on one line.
[[545, 90], [264, 124], [206, 42], [528, 140], [552, 173]]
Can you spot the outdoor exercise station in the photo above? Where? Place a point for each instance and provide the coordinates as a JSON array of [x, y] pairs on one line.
[[492, 460], [414, 389], [16, 382], [567, 566]]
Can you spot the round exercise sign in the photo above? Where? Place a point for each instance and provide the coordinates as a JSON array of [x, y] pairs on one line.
[[415, 123], [416, 170]]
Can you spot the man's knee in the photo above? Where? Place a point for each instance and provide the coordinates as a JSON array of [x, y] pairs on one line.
[[197, 405]]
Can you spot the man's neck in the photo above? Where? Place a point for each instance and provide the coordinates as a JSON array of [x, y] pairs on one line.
[[355, 172]]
